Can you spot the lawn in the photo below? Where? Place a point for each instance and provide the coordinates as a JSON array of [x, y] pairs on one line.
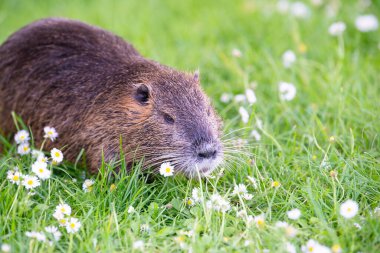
[[310, 150]]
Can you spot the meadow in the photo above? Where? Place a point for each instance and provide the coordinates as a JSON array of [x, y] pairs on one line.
[[300, 102]]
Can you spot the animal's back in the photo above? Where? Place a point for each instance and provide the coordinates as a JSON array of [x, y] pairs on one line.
[[55, 65]]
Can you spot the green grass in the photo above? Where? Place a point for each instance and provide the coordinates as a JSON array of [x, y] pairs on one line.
[[338, 91]]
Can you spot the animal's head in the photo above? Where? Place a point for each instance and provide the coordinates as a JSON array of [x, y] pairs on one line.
[[170, 119]]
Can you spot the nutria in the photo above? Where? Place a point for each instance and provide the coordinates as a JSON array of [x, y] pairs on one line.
[[99, 92]]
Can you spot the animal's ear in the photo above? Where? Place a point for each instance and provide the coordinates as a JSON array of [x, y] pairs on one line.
[[142, 94], [196, 75]]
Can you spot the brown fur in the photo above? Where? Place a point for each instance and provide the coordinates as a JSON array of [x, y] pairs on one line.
[[83, 81]]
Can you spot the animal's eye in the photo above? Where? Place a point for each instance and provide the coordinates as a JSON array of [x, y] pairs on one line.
[[168, 119], [142, 94]]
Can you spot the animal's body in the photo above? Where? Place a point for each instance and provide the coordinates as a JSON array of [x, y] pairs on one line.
[[96, 89]]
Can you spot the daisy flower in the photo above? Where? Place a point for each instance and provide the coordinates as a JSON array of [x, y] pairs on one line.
[[138, 245], [367, 23], [218, 203], [37, 235], [73, 225], [239, 98], [247, 196], [336, 248], [255, 134], [36, 153], [63, 208], [294, 214], [166, 169], [290, 231], [349, 209], [250, 95], [87, 185], [56, 155], [299, 10], [22, 136], [50, 133], [337, 28], [226, 97], [23, 149], [244, 115], [196, 195], [288, 58], [14, 177], [276, 184], [236, 53], [240, 189], [190, 202], [313, 246], [131, 209], [259, 220], [54, 231], [253, 181], [287, 91], [5, 247], [290, 248], [30, 182], [41, 170]]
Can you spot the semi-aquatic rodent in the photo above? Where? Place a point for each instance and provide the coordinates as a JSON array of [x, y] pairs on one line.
[[97, 90]]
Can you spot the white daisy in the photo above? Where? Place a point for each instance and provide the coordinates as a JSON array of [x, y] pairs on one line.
[[54, 231], [349, 209], [367, 23], [287, 91], [138, 245], [73, 225], [5, 248], [253, 181], [294, 214], [218, 203], [190, 202], [239, 98], [166, 169], [236, 52], [63, 208], [290, 231], [50, 133], [259, 220], [131, 209], [22, 136], [288, 58], [313, 246], [23, 149], [37, 235], [255, 134], [56, 155], [196, 195], [299, 10], [14, 177], [250, 95], [290, 248], [41, 170], [247, 196], [30, 182], [42, 159], [337, 28], [244, 115], [226, 97], [240, 189], [87, 185]]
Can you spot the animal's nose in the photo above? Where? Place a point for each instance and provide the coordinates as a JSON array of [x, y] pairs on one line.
[[207, 153]]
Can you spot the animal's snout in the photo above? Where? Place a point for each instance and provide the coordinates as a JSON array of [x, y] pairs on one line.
[[206, 151]]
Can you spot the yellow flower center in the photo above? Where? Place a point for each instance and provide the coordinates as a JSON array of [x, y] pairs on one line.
[[26, 148], [41, 170], [62, 221], [16, 178], [276, 184], [260, 223], [311, 249], [57, 154], [22, 137], [72, 225], [349, 209], [189, 202], [50, 133], [30, 182], [168, 169], [63, 210]]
